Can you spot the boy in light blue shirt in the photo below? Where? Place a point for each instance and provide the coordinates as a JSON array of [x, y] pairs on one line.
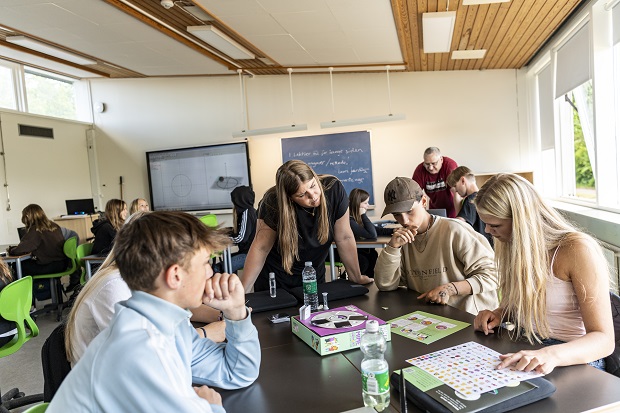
[[149, 356]]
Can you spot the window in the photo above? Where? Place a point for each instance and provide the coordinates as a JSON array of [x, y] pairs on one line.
[[50, 95], [577, 143], [7, 87]]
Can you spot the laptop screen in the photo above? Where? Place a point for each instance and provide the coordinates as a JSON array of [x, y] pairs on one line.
[[80, 206]]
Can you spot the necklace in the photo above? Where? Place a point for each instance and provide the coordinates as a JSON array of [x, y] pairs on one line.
[[308, 212], [424, 238]]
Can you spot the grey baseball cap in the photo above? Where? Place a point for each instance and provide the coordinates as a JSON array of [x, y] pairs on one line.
[[400, 195]]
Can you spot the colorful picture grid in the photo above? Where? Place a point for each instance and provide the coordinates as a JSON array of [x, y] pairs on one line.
[[424, 327], [469, 368]]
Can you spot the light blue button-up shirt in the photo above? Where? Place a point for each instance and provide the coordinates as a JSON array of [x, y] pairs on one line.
[[148, 358]]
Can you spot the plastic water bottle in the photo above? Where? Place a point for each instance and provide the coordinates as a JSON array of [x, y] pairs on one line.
[[375, 371], [311, 296], [272, 285]]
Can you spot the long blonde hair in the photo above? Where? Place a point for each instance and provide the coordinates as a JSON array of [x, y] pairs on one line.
[[288, 179], [108, 266], [524, 262], [90, 287]]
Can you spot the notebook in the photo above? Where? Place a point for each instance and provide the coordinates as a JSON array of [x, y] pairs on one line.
[[262, 301]]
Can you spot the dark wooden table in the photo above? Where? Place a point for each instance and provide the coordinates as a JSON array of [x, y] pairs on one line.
[[294, 378]]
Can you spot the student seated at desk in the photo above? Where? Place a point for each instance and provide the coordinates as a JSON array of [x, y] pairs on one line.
[[297, 221], [105, 229], [244, 222], [444, 259], [94, 309], [363, 228], [43, 240], [554, 280], [149, 355], [8, 329]]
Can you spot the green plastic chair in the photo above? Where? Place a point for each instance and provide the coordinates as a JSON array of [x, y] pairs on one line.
[[70, 250], [15, 302], [39, 408], [82, 251], [209, 220]]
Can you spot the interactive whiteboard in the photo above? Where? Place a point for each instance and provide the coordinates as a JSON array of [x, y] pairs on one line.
[[197, 179]]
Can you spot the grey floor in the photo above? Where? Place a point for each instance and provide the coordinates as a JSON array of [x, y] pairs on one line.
[[23, 369]]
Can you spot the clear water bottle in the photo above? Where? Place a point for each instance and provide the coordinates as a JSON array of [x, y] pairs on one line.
[[272, 285], [375, 371], [311, 296]]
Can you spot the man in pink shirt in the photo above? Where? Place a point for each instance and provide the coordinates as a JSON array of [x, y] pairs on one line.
[[431, 175]]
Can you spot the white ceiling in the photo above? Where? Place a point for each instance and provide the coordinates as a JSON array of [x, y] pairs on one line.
[[290, 32]]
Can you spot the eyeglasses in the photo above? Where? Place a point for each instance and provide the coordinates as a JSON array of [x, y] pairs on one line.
[[433, 164]]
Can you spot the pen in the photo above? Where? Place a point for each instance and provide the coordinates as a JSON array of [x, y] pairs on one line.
[[403, 393]]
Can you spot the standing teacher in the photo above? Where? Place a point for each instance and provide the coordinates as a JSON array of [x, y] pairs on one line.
[[298, 219]]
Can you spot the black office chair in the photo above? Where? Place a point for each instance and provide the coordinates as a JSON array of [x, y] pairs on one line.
[[612, 362], [54, 361]]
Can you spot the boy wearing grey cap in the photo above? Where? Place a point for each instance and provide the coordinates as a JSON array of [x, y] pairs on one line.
[[442, 258]]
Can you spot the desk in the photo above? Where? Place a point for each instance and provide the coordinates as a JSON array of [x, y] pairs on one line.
[[90, 260], [380, 242], [293, 377], [17, 259]]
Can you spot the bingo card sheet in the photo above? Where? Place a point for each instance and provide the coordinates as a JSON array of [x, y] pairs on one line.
[[469, 368]]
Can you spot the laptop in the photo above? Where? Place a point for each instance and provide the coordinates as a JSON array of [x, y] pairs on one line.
[[80, 206]]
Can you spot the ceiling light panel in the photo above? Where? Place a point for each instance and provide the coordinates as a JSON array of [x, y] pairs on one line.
[[437, 30], [475, 2], [49, 50], [216, 38], [468, 54]]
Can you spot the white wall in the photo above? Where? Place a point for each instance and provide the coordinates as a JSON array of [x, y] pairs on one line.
[[473, 116], [40, 171]]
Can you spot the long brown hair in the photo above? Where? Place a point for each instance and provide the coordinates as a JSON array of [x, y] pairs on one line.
[[356, 197], [34, 217], [113, 209], [288, 179]]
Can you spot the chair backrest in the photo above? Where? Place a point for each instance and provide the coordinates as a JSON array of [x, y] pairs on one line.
[[612, 362], [15, 303], [209, 220], [439, 212], [82, 251], [39, 408], [54, 361]]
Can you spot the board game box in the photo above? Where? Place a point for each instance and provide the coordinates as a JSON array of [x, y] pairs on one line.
[[335, 330]]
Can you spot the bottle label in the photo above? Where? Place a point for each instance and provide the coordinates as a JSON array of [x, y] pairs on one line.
[[376, 382], [310, 287]]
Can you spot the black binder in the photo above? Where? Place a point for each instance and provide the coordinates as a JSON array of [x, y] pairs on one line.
[[262, 301]]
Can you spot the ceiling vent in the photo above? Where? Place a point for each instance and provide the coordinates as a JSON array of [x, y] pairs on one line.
[[36, 131]]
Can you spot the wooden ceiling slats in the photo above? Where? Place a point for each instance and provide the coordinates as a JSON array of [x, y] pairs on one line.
[[525, 33], [513, 38], [553, 21], [479, 34], [403, 31]]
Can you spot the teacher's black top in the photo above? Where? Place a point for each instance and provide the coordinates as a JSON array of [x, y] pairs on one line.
[[309, 247]]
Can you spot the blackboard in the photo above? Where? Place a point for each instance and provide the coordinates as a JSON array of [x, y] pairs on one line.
[[345, 155]]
